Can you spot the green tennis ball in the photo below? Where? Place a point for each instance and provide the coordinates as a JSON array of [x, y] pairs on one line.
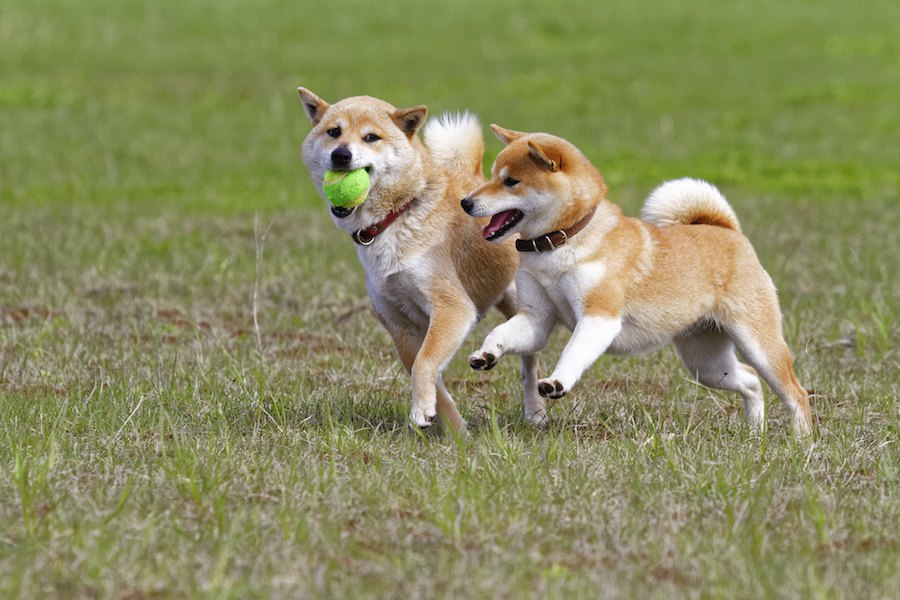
[[346, 188]]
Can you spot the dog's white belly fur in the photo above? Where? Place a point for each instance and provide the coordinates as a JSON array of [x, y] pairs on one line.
[[397, 284], [636, 337], [643, 328], [646, 327]]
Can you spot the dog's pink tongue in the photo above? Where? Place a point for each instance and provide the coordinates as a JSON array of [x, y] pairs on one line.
[[497, 222]]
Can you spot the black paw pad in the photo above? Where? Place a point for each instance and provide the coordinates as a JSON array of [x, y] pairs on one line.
[[485, 362], [551, 389]]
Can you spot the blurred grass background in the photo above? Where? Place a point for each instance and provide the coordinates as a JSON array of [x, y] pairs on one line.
[[194, 102], [152, 445]]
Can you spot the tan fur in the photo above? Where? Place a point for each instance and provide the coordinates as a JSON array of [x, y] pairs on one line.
[[624, 285], [430, 275]]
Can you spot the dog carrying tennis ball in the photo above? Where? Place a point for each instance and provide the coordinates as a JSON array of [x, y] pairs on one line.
[[346, 189]]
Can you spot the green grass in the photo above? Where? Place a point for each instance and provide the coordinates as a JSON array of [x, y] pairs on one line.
[[153, 445]]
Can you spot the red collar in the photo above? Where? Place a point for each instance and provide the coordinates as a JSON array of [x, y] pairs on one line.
[[365, 237]]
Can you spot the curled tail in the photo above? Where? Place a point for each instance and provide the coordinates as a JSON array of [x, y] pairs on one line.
[[455, 142], [688, 202]]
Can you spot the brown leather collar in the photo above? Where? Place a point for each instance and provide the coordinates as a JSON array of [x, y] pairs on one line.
[[554, 239], [365, 237]]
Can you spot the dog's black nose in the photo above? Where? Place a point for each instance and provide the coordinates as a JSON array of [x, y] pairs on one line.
[[467, 205], [341, 157]]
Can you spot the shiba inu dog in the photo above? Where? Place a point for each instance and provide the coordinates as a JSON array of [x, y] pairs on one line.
[[429, 274], [683, 273]]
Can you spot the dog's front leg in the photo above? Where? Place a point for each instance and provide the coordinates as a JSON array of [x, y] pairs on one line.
[[525, 333], [408, 341], [451, 319], [590, 339]]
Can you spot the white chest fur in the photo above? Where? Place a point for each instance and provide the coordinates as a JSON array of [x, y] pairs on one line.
[[565, 281], [398, 274]]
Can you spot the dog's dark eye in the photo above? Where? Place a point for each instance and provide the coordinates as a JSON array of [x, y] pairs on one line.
[[334, 132], [509, 182], [371, 137]]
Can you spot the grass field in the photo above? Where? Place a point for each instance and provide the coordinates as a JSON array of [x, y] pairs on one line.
[[154, 443]]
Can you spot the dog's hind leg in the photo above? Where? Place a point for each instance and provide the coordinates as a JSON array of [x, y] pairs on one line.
[[771, 357], [709, 356], [754, 323], [447, 410]]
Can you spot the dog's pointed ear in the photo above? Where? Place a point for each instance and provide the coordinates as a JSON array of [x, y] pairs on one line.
[[409, 120], [541, 156], [314, 106], [506, 136]]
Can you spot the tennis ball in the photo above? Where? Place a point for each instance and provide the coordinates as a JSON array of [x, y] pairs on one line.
[[346, 188]]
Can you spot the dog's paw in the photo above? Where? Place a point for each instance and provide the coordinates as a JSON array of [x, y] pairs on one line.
[[421, 417], [551, 388], [482, 361], [539, 418]]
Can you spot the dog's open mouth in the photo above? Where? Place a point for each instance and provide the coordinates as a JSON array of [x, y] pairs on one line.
[[341, 213], [501, 223]]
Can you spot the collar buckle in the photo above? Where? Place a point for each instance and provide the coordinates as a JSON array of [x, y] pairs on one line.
[[363, 237]]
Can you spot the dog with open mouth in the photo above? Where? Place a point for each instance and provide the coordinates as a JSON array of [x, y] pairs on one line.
[[429, 275], [683, 273]]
